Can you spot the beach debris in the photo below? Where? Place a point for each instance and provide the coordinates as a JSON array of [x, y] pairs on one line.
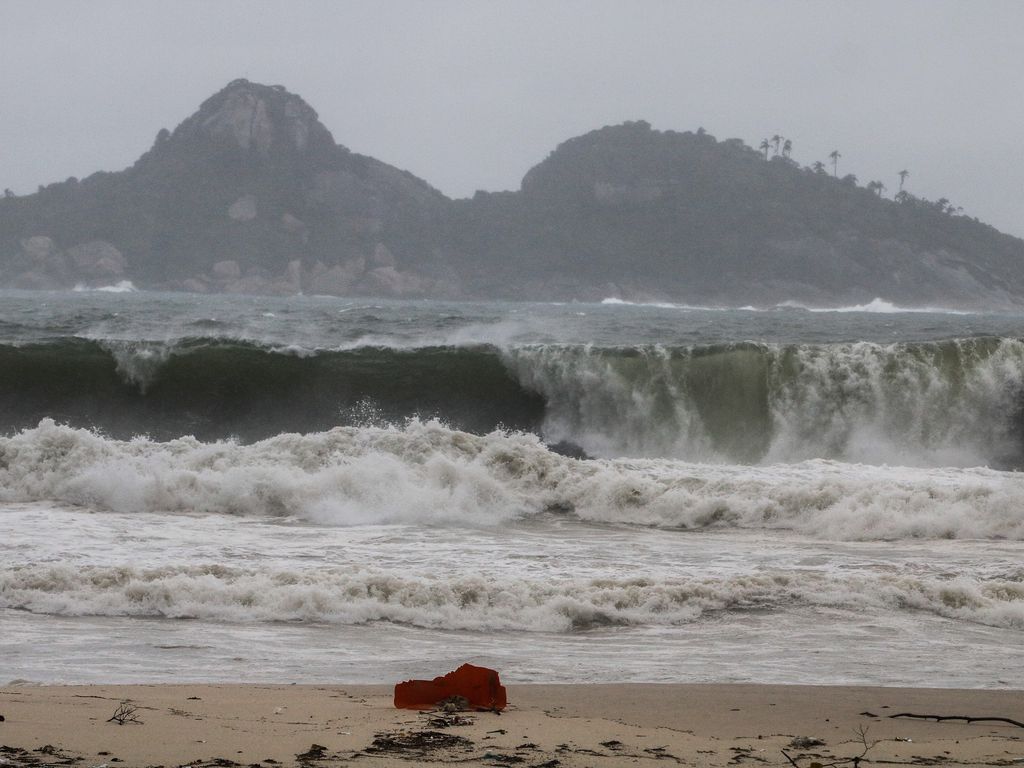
[[315, 752], [855, 761], [47, 755], [479, 687], [965, 718], [661, 753], [448, 721], [125, 713], [743, 753], [940, 718], [805, 742], [453, 704], [613, 744], [416, 742]]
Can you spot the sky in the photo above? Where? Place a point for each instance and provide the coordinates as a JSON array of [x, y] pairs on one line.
[[469, 94]]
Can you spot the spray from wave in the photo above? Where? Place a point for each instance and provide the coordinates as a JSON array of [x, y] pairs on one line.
[[930, 404]]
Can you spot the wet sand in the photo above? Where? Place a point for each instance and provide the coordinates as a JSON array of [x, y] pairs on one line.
[[544, 725]]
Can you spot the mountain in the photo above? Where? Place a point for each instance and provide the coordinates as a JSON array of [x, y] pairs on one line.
[[252, 194], [660, 214]]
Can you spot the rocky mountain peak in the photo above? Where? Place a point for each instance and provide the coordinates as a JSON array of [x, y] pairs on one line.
[[258, 118]]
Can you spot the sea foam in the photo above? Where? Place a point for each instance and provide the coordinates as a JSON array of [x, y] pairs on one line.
[[427, 473], [480, 603]]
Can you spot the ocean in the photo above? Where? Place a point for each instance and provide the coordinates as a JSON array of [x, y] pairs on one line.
[[317, 489]]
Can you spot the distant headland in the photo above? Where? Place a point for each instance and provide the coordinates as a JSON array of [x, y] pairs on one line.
[[251, 194]]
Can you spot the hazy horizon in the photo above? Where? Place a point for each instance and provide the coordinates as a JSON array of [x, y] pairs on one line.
[[469, 96]]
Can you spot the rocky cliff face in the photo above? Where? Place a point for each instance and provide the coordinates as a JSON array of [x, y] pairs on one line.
[[263, 119], [251, 117], [252, 194]]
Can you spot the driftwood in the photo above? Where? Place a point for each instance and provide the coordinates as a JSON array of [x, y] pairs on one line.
[[940, 718], [125, 713], [862, 734], [966, 719]]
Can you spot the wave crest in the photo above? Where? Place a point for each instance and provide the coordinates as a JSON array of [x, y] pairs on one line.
[[482, 603], [428, 473]]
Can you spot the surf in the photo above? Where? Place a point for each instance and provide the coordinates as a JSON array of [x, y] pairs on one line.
[[425, 473], [954, 402]]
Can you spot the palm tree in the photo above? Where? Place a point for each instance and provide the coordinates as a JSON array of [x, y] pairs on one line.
[[787, 147], [776, 140], [903, 177], [834, 155], [875, 186], [818, 166], [764, 148]]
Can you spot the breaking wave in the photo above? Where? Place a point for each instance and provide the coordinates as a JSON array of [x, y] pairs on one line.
[[958, 402], [954, 402], [427, 473], [122, 286], [877, 306], [481, 603], [217, 389]]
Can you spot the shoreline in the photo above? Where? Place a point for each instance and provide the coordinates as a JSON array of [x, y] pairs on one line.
[[544, 725]]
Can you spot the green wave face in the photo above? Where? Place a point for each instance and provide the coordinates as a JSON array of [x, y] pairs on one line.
[[222, 390], [952, 402], [955, 402]]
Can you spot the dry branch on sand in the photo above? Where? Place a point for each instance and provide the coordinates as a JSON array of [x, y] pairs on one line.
[[125, 713], [855, 761]]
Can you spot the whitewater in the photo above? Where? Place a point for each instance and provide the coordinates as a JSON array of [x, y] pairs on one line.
[[302, 489]]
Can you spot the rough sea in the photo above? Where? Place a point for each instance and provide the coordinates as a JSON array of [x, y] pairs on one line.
[[315, 489]]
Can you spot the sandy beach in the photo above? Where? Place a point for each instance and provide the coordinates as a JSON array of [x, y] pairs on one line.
[[556, 725]]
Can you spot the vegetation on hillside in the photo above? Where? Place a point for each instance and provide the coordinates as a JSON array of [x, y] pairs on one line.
[[684, 214], [252, 188]]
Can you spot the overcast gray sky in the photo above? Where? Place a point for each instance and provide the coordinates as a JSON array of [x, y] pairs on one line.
[[469, 94]]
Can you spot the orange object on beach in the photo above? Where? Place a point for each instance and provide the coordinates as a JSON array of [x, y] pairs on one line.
[[479, 686]]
